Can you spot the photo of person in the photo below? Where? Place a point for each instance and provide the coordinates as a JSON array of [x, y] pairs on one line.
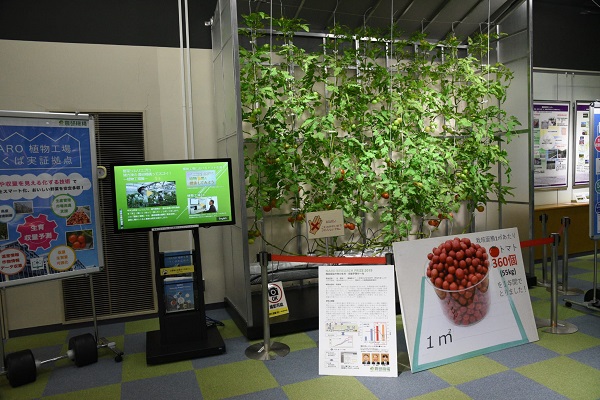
[[385, 359], [375, 358], [366, 358], [211, 207], [151, 194]]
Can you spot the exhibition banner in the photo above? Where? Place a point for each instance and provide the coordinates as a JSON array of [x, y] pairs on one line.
[[48, 206], [581, 143], [357, 321], [463, 296], [594, 207], [550, 143]]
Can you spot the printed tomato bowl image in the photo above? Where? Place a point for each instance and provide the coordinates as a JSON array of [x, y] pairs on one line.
[[457, 271], [80, 240]]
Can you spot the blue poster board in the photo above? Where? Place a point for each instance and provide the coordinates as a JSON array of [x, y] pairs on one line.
[[48, 204], [594, 207]]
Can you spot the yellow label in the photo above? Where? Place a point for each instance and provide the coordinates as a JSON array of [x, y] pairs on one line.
[[186, 269]]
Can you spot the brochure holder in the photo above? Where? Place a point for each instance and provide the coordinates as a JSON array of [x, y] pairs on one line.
[[184, 334]]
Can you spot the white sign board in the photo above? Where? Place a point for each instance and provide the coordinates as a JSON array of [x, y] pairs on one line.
[[357, 321], [476, 301], [324, 224]]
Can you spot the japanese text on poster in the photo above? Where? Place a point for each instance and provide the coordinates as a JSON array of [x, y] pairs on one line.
[[47, 203], [550, 143], [463, 296], [357, 321]]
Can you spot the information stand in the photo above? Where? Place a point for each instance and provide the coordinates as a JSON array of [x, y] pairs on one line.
[[183, 334]]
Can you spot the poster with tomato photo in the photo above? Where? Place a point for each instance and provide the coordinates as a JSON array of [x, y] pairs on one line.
[[463, 296], [48, 206]]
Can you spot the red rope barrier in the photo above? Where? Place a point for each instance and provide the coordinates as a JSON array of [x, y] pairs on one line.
[[537, 242], [329, 260]]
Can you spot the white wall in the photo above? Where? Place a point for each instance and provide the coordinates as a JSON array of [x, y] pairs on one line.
[[39, 76]]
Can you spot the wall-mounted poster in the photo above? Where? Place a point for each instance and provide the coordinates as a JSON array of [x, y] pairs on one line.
[[49, 224], [581, 143], [463, 296], [550, 143]]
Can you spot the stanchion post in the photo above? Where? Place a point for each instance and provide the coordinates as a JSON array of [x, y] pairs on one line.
[[555, 325], [564, 288], [262, 351], [544, 220]]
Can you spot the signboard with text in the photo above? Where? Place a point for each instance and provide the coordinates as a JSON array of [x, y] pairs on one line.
[[550, 143], [357, 321], [463, 296], [581, 143], [323, 224], [48, 206]]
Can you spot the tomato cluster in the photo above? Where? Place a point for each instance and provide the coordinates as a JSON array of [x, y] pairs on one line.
[[79, 217], [458, 270]]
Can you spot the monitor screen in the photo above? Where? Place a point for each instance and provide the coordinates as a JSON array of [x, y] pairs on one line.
[[172, 194]]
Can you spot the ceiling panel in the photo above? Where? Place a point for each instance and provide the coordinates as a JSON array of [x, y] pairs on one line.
[[435, 17]]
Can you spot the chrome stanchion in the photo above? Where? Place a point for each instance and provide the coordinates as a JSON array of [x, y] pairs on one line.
[[544, 282], [564, 288], [555, 326], [263, 350]]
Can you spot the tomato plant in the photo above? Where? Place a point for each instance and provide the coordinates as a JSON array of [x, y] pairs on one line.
[[337, 128]]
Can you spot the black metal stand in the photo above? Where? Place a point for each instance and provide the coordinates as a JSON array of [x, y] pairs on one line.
[[183, 335]]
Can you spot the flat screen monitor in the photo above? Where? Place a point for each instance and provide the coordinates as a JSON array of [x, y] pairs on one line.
[[172, 194]]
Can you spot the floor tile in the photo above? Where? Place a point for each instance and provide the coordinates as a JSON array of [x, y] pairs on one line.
[[565, 376]]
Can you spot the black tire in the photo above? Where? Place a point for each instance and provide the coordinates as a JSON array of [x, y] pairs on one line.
[[85, 350], [20, 368], [589, 295]]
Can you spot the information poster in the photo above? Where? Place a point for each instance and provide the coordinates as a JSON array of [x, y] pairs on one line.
[[595, 171], [550, 143], [48, 209], [581, 143], [357, 321], [463, 296]]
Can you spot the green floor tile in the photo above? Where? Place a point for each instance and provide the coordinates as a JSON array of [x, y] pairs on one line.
[[32, 341], [569, 377], [568, 343], [144, 325], [135, 367], [330, 388], [297, 341], [29, 391], [112, 392], [586, 276], [543, 309], [234, 379], [444, 394], [468, 370], [229, 330]]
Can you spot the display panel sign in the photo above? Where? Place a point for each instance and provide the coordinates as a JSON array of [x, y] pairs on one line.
[[357, 321], [463, 296], [48, 206], [550, 143], [173, 194], [581, 143], [594, 125]]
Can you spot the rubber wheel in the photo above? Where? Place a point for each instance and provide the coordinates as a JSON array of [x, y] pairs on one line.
[[20, 368], [85, 350], [589, 295]]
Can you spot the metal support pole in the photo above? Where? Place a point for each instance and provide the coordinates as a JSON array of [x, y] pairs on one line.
[[262, 350], [544, 221], [556, 326], [564, 288]]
